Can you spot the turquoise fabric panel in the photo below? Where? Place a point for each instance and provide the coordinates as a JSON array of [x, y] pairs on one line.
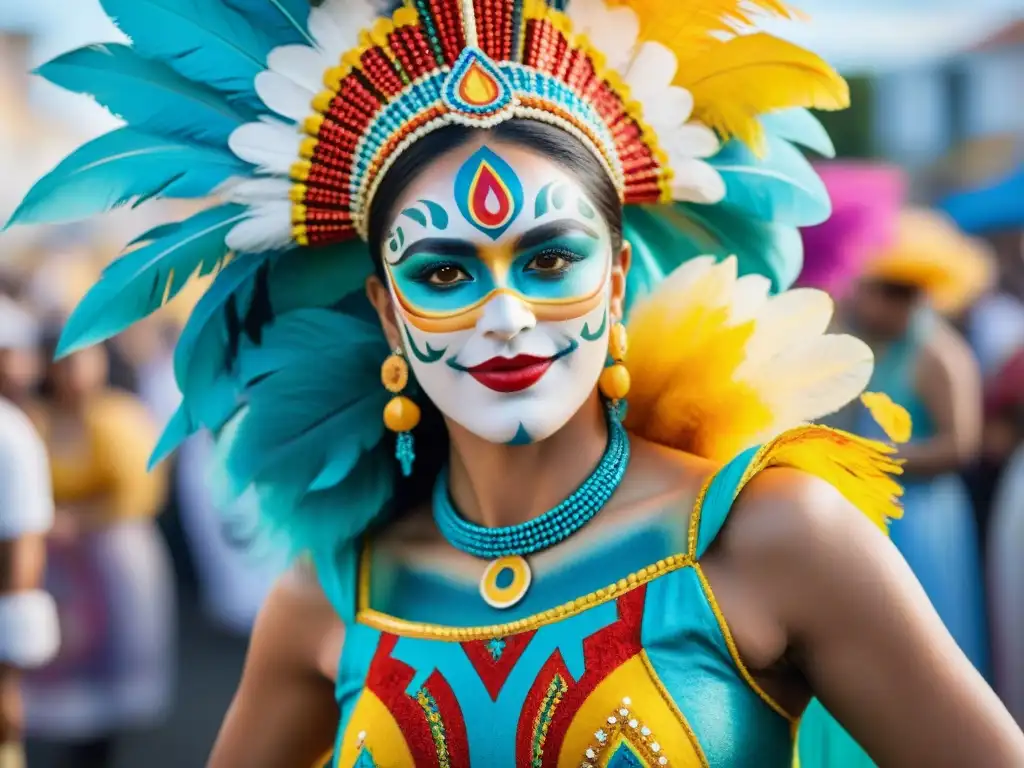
[[431, 598], [719, 499], [687, 650]]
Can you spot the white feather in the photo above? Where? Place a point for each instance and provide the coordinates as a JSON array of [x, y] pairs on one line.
[[284, 96], [785, 320], [268, 228], [651, 71], [613, 31], [270, 145], [668, 109], [695, 181], [690, 140], [748, 297], [336, 24], [301, 64], [814, 379], [252, 191]]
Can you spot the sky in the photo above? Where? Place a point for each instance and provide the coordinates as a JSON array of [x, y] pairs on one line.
[[855, 35]]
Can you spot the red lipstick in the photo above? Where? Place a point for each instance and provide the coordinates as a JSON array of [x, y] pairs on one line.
[[511, 374]]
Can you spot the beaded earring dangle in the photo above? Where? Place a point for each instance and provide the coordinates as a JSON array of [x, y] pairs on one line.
[[401, 415], [614, 382]]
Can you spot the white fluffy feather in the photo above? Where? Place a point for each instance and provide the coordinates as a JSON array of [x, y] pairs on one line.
[[270, 145], [690, 140], [301, 64], [792, 315], [748, 297], [814, 378], [695, 181], [284, 96], [268, 228], [336, 24], [252, 191], [613, 31]]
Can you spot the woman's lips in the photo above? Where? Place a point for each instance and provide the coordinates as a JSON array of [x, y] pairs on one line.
[[511, 374]]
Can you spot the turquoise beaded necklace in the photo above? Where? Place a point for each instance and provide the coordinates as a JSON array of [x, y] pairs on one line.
[[507, 577]]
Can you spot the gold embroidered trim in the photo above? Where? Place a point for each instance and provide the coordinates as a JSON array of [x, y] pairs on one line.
[[394, 625], [734, 652], [671, 704]]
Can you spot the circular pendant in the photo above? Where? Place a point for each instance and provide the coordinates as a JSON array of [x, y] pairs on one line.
[[505, 581]]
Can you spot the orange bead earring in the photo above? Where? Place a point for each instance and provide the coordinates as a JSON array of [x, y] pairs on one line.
[[614, 382], [401, 415]]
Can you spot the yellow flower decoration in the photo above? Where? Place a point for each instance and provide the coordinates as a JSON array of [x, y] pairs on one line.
[[891, 417]]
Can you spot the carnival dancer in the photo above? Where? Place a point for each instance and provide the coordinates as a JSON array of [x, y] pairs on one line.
[[434, 225]]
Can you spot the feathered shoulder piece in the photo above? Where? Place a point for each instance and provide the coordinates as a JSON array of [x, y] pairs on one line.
[[719, 366]]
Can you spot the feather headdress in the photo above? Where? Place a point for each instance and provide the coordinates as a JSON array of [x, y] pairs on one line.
[[290, 115]]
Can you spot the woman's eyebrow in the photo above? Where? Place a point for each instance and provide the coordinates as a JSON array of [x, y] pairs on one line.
[[438, 246], [552, 230]]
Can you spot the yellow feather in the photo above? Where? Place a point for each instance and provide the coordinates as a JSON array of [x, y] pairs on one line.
[[893, 418], [861, 470], [682, 361], [688, 27], [750, 75]]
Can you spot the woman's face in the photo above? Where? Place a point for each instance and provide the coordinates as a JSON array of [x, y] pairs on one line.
[[503, 288]]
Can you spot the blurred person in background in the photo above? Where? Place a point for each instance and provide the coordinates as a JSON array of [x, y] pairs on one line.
[[29, 632], [108, 568], [922, 363]]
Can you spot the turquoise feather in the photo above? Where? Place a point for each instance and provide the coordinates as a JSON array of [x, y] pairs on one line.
[[203, 367], [782, 186], [120, 167], [285, 20], [323, 421], [801, 127], [148, 95], [203, 40], [320, 277], [663, 238], [306, 441], [140, 282]]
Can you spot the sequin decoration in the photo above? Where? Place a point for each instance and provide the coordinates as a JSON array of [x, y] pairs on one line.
[[624, 741], [488, 192], [429, 706]]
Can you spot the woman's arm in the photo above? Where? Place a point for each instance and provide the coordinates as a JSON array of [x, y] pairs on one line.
[[861, 630], [949, 383], [284, 714]]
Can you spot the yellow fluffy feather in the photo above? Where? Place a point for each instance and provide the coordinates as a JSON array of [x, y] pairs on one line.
[[750, 75], [862, 470], [734, 76]]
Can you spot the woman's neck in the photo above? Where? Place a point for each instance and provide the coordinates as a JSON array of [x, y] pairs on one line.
[[500, 485]]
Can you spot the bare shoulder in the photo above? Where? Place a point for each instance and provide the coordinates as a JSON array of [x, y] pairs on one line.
[[789, 526], [945, 353], [299, 624]]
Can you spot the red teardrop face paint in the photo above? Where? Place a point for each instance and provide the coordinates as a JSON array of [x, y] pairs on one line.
[[488, 192]]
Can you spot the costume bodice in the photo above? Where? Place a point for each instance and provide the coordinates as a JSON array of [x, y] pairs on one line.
[[639, 672]]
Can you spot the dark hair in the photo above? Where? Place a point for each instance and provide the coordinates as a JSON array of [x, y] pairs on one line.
[[562, 147]]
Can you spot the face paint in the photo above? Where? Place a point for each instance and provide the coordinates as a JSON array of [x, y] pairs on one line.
[[503, 304]]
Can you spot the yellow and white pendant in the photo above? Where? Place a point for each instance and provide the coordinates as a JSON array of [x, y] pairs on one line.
[[505, 581]]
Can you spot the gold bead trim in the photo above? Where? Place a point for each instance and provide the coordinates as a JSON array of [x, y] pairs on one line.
[[394, 625]]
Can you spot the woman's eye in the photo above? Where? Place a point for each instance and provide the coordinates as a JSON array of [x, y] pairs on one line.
[[549, 261], [447, 275]]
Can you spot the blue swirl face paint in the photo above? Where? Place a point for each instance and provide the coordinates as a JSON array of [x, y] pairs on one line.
[[502, 286]]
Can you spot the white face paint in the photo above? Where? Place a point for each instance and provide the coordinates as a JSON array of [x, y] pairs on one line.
[[500, 270]]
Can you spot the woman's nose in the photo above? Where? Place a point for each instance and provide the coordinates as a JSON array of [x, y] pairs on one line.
[[505, 317]]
